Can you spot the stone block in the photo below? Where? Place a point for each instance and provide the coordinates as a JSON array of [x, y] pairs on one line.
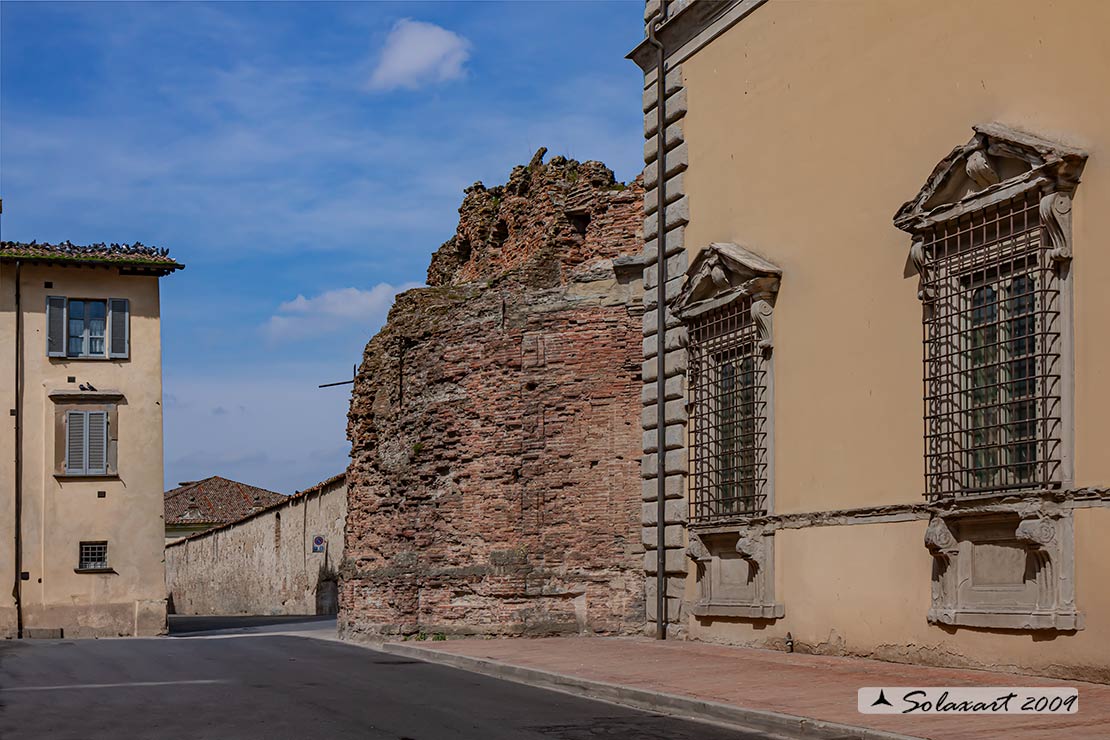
[[676, 267], [672, 137], [675, 561], [675, 461], [675, 388], [675, 188], [674, 487], [676, 242], [674, 536], [672, 87], [677, 160], [675, 438], [678, 214], [676, 512], [674, 412]]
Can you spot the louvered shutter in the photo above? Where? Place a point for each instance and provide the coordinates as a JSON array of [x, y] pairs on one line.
[[97, 447], [75, 442], [119, 327], [55, 326]]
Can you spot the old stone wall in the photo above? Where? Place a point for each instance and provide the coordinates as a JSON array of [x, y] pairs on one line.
[[494, 482], [264, 564]]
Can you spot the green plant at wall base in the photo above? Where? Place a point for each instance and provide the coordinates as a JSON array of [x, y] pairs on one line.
[[421, 636], [439, 637]]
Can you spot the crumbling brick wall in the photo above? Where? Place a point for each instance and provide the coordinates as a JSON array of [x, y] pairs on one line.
[[494, 483]]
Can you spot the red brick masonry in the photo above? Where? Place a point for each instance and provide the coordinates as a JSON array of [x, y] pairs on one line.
[[494, 484], [814, 686]]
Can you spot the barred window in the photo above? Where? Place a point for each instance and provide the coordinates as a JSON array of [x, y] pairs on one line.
[[728, 451], [93, 556], [992, 352]]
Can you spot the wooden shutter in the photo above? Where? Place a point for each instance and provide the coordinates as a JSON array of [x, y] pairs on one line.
[[96, 456], [55, 326], [119, 327], [75, 442]]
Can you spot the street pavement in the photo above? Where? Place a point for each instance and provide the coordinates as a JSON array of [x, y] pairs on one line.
[[262, 678]]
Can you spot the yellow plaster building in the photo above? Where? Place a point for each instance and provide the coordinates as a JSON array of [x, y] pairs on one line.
[[81, 356], [884, 328]]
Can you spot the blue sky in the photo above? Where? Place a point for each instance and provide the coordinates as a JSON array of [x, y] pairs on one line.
[[303, 161]]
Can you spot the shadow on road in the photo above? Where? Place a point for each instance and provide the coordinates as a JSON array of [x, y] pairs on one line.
[[195, 626]]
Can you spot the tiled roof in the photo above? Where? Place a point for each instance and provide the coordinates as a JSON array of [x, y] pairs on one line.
[[216, 501], [320, 487], [124, 255]]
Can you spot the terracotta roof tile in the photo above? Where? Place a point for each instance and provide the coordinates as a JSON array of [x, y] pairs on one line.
[[216, 501], [124, 255]]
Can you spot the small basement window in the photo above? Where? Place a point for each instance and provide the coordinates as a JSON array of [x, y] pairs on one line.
[[93, 556]]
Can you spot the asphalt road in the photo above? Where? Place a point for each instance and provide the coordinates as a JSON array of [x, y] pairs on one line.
[[246, 680]]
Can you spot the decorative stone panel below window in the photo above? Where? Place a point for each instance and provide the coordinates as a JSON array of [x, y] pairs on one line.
[[1004, 567], [735, 573]]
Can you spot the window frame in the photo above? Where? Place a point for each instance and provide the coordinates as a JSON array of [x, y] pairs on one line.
[[85, 469], [111, 307], [93, 566], [997, 168], [721, 487]]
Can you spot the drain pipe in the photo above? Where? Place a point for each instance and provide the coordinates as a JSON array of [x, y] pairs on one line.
[[17, 585], [660, 332]]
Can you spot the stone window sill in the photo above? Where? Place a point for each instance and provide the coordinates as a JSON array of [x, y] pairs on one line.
[[75, 477], [746, 611], [1047, 620], [111, 571]]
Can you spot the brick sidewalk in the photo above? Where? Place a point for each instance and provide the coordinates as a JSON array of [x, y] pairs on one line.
[[814, 686]]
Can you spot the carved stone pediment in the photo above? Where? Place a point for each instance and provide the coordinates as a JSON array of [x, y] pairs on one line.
[[722, 273], [996, 164]]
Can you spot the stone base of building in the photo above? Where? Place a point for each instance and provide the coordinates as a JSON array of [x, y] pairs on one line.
[[132, 619]]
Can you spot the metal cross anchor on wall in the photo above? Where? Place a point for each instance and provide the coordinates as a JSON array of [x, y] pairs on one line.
[[354, 374]]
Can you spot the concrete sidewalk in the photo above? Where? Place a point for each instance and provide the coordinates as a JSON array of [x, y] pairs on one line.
[[796, 695]]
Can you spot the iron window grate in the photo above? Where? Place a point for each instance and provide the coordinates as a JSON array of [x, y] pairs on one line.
[[93, 556], [991, 351], [728, 449]]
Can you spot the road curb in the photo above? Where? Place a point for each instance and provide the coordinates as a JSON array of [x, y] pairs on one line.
[[799, 728]]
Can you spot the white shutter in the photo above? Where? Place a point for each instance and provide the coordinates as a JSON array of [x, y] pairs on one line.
[[97, 455], [55, 326], [119, 327], [75, 442]]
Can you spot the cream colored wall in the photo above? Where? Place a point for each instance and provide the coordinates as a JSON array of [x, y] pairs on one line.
[[7, 444], [809, 124], [865, 590], [58, 514], [243, 570]]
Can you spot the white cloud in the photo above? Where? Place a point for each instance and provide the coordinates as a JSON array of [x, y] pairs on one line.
[[333, 310], [417, 54]]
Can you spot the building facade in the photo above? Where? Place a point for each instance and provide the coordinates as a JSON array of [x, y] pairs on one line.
[[884, 346], [282, 558], [82, 532]]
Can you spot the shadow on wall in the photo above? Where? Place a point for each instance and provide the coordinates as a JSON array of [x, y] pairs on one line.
[[327, 590]]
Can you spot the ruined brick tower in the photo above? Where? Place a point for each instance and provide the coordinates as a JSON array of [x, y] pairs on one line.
[[494, 423]]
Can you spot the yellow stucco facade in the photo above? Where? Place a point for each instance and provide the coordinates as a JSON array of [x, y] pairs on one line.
[[59, 511], [806, 126]]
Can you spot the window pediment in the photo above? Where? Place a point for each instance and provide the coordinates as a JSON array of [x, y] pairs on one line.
[[996, 164], [722, 273]]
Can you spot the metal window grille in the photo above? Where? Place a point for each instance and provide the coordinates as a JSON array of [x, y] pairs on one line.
[[992, 363], [94, 555], [728, 450]]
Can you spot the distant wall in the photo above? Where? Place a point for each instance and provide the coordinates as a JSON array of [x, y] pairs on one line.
[[264, 564]]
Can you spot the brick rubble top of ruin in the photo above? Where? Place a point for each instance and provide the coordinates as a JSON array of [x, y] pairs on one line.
[[549, 217]]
